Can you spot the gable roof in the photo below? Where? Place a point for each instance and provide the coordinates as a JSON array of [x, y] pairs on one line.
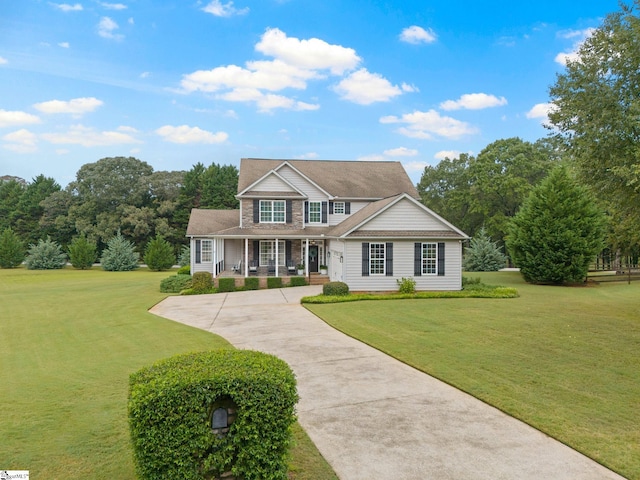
[[341, 179], [207, 221]]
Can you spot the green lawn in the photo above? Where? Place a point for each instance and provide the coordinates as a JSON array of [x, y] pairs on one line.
[[565, 360], [70, 339]]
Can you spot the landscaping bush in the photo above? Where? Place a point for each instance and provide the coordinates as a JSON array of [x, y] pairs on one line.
[[298, 281], [184, 258], [274, 282], [202, 282], [406, 285], [251, 283], [120, 255], [335, 289], [227, 284], [159, 254], [46, 255], [11, 249], [82, 253], [171, 406], [184, 270], [483, 255], [175, 283]]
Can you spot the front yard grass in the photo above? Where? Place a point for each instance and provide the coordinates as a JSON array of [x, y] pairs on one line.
[[70, 340], [565, 360]]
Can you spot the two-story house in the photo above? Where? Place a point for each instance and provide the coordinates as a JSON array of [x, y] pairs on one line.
[[363, 220]]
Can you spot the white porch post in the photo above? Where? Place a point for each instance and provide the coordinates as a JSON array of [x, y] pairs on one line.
[[306, 260], [277, 258], [246, 257], [214, 257]]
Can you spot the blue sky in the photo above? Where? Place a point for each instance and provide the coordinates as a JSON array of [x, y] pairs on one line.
[[174, 83]]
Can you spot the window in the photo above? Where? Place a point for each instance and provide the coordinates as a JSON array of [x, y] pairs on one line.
[[376, 258], [272, 211], [268, 252], [315, 212], [429, 258], [338, 208], [206, 252]]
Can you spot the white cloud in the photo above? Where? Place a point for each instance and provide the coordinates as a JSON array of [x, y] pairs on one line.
[[417, 35], [88, 137], [107, 28], [474, 101], [13, 118], [186, 134], [145, 74], [312, 54], [541, 111], [401, 152], [219, 9], [113, 6], [450, 154], [366, 88], [416, 166], [63, 44], [372, 158], [65, 7], [409, 88], [579, 36], [21, 141], [308, 156], [76, 106], [424, 125], [3, 61]]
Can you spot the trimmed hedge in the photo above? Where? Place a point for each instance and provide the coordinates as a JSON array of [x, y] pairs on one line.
[[202, 282], [171, 408], [175, 283], [298, 281], [251, 283], [335, 289], [274, 282], [226, 284]]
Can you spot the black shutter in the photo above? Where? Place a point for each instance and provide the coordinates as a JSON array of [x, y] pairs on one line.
[[347, 208], [289, 205], [287, 250], [389, 259], [441, 258], [256, 211], [324, 212], [365, 259], [256, 251], [306, 212], [198, 251], [417, 259], [330, 208]]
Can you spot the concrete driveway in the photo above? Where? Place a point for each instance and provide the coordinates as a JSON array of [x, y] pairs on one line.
[[371, 416]]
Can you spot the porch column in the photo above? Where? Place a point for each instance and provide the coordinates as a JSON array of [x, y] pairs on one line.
[[246, 257], [306, 260], [277, 259]]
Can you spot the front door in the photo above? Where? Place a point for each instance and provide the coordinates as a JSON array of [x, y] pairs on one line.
[[313, 258]]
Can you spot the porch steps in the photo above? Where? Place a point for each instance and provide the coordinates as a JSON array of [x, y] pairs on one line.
[[317, 279]]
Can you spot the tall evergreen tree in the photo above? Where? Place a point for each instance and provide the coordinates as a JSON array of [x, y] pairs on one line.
[[12, 250], [159, 254]]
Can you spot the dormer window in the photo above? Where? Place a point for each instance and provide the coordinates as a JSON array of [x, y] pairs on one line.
[[272, 211], [338, 208]]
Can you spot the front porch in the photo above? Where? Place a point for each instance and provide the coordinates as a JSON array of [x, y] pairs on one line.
[[262, 276]]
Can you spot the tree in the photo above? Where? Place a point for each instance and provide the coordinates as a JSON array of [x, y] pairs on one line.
[[120, 255], [10, 193], [11, 249], [159, 254], [82, 253], [557, 232], [483, 255], [596, 109], [29, 209], [45, 255]]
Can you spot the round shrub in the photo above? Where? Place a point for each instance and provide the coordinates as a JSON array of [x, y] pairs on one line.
[[335, 289], [185, 270], [175, 283], [171, 407], [202, 282]]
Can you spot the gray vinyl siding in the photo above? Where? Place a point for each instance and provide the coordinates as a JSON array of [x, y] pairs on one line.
[[272, 184], [403, 252], [402, 214], [294, 178], [355, 206]]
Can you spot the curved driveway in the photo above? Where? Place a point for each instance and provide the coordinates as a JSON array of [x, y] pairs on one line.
[[371, 416]]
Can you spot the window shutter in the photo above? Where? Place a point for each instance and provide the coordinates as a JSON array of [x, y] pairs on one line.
[[256, 211], [389, 259], [256, 251], [306, 212], [417, 259], [441, 258], [330, 208], [347, 208], [324, 212], [198, 251], [365, 259], [289, 205], [287, 250]]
